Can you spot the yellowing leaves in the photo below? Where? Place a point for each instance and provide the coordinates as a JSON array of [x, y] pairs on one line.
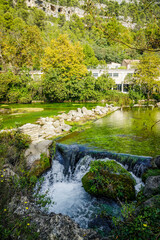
[[63, 55]]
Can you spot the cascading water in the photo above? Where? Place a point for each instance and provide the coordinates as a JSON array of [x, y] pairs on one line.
[[69, 197]]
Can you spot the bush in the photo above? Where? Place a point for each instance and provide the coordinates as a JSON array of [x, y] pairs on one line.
[[144, 226], [12, 146], [117, 97], [25, 99], [135, 96]]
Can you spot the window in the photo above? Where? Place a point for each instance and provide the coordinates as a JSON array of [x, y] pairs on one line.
[[110, 74], [95, 75], [115, 74], [125, 87], [119, 87]]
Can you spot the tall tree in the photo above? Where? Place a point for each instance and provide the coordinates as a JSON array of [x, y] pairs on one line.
[[148, 73], [68, 58]]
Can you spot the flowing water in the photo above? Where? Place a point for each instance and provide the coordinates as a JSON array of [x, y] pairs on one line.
[[127, 132], [124, 131], [69, 196]]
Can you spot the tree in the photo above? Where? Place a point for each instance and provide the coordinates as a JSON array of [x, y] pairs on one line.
[[90, 59], [6, 80], [147, 73], [21, 45], [54, 87], [104, 83], [66, 57]]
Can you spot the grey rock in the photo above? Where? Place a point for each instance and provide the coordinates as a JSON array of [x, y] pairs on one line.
[[33, 130], [157, 161], [152, 186], [79, 110], [153, 202], [52, 226], [56, 123], [66, 127], [58, 130], [72, 113], [61, 121], [84, 111], [8, 171], [158, 104], [63, 116], [33, 153], [48, 130]]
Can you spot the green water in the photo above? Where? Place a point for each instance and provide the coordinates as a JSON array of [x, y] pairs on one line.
[[127, 131], [12, 120]]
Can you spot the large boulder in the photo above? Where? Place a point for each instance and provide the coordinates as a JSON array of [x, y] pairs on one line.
[[48, 130], [109, 179], [50, 227], [152, 186], [152, 202], [33, 130], [33, 153]]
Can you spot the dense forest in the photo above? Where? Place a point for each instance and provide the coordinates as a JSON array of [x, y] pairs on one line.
[[64, 49]]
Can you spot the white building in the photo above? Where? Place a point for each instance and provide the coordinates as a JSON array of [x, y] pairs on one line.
[[118, 75]]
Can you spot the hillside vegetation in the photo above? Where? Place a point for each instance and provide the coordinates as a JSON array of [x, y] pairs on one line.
[[32, 40]]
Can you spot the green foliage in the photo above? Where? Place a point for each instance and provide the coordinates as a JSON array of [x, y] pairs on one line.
[[27, 32], [135, 95], [90, 60], [109, 179], [65, 57], [147, 73], [117, 97], [6, 81], [104, 83], [12, 146], [143, 226], [150, 172], [41, 166], [11, 225], [54, 86]]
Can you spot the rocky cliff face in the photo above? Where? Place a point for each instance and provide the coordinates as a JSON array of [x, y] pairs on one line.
[[55, 10]]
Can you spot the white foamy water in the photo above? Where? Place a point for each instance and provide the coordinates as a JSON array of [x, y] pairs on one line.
[[69, 196]]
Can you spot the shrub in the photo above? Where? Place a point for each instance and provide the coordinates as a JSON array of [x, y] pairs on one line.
[[117, 97], [12, 146], [135, 95], [144, 226]]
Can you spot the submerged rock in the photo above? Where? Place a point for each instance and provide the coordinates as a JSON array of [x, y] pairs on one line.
[[109, 179]]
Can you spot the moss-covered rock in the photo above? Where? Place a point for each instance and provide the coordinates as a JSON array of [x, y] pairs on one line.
[[109, 179], [149, 173]]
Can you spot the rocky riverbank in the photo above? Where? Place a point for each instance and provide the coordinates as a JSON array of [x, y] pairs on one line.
[[56, 226], [46, 128]]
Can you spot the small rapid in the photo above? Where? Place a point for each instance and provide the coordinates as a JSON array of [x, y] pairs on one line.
[[68, 195]]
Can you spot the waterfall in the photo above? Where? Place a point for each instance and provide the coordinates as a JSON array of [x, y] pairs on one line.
[[63, 185]]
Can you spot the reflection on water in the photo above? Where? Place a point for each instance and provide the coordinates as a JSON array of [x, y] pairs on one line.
[[126, 131]]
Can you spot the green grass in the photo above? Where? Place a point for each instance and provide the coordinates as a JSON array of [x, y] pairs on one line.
[[50, 110]]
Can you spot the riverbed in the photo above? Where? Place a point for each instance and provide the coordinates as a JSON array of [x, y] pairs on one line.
[[132, 131]]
